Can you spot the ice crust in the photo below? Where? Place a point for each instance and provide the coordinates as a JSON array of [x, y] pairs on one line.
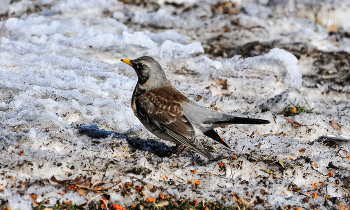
[[65, 107]]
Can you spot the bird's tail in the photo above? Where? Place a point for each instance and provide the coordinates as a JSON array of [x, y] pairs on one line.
[[228, 120], [242, 120]]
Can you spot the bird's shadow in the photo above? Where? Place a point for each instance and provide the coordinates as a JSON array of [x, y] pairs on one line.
[[158, 148]]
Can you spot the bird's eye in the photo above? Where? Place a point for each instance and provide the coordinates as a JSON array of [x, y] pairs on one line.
[[140, 65]]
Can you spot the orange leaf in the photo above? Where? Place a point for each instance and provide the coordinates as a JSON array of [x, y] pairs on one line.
[[138, 188], [33, 197], [315, 164], [152, 200], [193, 171], [302, 150], [21, 153], [222, 165], [196, 203], [161, 196], [104, 203], [198, 182], [330, 173], [72, 187], [119, 207]]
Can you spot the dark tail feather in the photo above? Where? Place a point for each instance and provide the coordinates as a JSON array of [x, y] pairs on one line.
[[212, 134], [242, 120]]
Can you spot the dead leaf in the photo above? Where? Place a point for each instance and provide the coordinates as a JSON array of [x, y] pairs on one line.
[[342, 206], [65, 182], [128, 184], [223, 83], [149, 186], [294, 123], [82, 192], [163, 204], [153, 190], [174, 164], [234, 11], [78, 180], [191, 181], [332, 28], [335, 125]]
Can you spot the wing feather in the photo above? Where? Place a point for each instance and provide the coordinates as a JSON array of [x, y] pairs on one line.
[[163, 107]]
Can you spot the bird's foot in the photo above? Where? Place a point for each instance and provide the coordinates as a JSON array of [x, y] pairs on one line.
[[177, 151]]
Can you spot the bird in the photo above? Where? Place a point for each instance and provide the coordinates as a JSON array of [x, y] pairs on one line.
[[170, 115]]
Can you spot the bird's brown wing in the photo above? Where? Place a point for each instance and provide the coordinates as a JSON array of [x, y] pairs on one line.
[[163, 107]]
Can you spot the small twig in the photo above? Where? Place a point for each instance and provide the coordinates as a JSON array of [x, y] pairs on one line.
[[174, 175], [125, 149], [87, 204], [339, 186], [143, 182], [100, 182], [308, 104], [96, 189], [140, 133], [104, 174]]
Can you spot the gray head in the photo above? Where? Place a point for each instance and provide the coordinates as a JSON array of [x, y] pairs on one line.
[[151, 75]]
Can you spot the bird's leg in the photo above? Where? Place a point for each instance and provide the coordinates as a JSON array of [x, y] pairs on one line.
[[176, 149], [183, 149]]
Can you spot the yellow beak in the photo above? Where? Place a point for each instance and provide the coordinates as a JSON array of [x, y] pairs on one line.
[[127, 61]]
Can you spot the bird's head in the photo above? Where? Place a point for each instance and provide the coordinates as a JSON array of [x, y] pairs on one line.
[[149, 72]]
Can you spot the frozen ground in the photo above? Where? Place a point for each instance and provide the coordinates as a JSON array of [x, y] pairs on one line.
[[65, 102]]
